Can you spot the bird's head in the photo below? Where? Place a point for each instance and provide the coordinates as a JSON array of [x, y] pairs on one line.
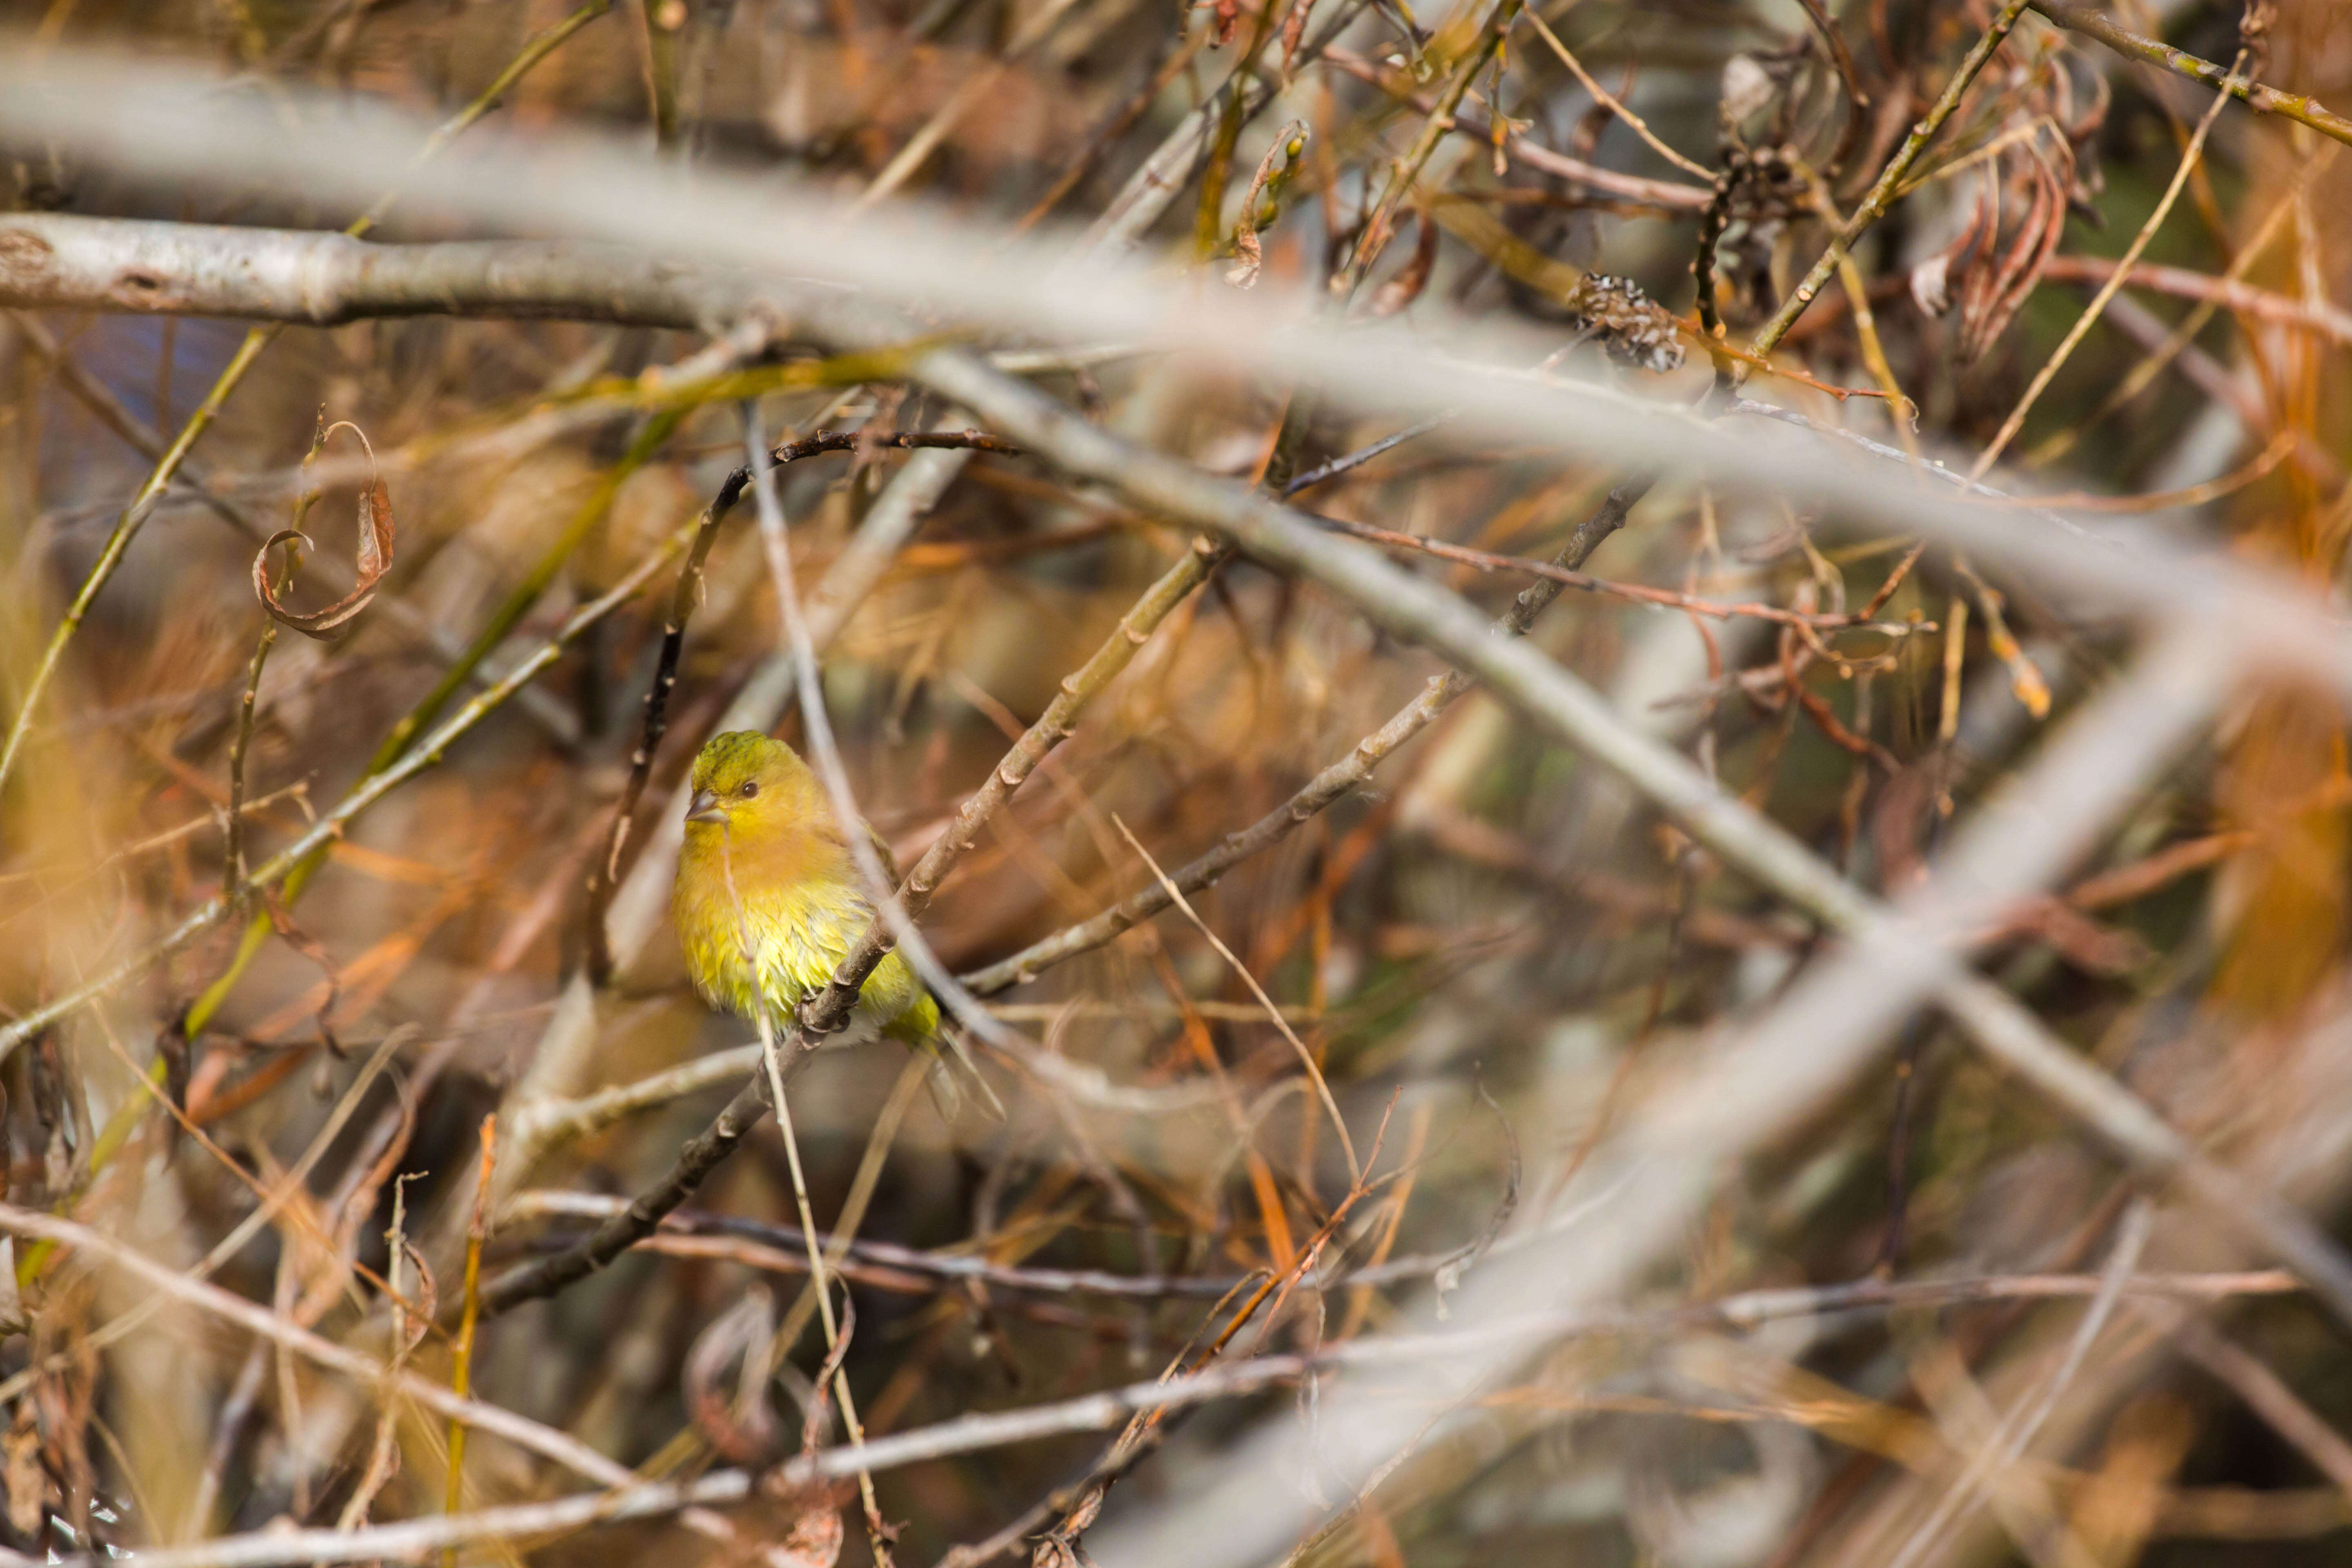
[[748, 785]]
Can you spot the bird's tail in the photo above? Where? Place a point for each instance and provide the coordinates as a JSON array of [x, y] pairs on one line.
[[951, 1066]]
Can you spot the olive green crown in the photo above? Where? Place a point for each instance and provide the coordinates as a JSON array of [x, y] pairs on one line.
[[727, 760]]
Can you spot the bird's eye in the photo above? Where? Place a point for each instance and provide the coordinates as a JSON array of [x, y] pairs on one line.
[[751, 788]]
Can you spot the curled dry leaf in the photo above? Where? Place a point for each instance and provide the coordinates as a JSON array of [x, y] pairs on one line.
[[1248, 256], [281, 920], [20, 1464], [1994, 289], [1747, 88], [374, 558], [2013, 227], [1258, 207], [1931, 284]]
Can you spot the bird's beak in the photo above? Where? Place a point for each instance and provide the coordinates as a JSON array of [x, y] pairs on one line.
[[704, 807]]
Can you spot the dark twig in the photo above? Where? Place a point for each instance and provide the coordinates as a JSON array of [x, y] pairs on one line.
[[703, 1154], [1711, 225], [1325, 472]]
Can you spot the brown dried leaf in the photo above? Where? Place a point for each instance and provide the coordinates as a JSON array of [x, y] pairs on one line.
[[814, 1540], [2076, 937], [281, 920], [374, 558], [1248, 256], [2020, 268], [1992, 266], [316, 1270]]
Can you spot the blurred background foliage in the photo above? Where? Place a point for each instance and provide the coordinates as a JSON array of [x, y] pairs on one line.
[[1496, 947]]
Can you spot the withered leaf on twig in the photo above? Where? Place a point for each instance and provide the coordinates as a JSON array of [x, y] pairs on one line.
[[20, 1464], [1992, 265], [1258, 207], [426, 1296], [374, 558]]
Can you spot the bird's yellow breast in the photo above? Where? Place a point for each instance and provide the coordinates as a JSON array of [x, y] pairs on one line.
[[767, 929]]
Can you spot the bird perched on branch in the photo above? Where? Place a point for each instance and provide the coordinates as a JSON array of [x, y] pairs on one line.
[[769, 901]]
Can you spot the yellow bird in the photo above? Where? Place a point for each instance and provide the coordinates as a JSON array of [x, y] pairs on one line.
[[768, 901]]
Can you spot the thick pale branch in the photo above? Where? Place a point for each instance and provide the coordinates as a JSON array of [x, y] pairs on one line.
[[412, 1538], [55, 261], [1373, 371]]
